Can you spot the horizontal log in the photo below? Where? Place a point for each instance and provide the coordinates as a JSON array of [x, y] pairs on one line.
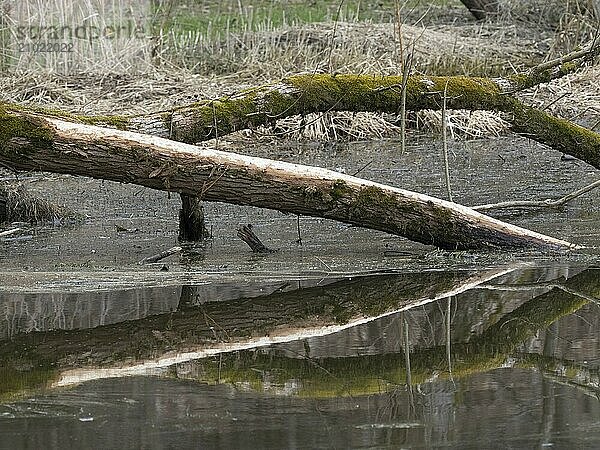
[[32, 142], [313, 93]]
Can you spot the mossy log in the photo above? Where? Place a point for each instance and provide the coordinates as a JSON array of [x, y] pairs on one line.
[[315, 92], [33, 142]]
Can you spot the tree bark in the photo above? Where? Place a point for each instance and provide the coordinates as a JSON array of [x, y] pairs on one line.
[[481, 8], [191, 219], [31, 142]]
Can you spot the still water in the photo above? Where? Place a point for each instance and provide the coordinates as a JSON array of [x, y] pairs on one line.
[[354, 339], [360, 362]]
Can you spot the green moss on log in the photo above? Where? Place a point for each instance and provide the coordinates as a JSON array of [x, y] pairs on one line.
[[15, 125], [560, 134]]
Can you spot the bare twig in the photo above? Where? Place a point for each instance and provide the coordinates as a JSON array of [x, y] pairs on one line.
[[445, 143], [587, 52], [406, 66], [536, 286], [161, 255], [548, 203]]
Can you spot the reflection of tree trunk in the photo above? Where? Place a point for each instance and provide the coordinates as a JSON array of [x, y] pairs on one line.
[[216, 327], [364, 375], [220, 326], [481, 8], [570, 373]]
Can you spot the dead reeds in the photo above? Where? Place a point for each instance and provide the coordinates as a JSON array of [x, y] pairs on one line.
[[18, 205]]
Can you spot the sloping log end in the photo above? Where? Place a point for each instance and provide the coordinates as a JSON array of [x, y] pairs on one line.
[[424, 219]]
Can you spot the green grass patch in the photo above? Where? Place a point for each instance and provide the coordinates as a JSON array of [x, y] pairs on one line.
[[213, 18]]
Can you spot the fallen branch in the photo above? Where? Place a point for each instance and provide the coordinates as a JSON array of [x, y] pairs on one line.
[[246, 234], [33, 142], [548, 203], [161, 255]]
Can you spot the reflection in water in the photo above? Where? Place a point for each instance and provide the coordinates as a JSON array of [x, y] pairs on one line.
[[524, 359]]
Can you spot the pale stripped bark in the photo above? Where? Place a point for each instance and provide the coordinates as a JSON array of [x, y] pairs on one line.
[[53, 145]]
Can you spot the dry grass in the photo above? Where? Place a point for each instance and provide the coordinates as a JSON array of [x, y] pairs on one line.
[[27, 26], [571, 21], [189, 66], [18, 205], [350, 47]]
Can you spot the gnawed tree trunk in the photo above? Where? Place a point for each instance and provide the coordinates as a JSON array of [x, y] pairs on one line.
[[481, 8], [31, 142]]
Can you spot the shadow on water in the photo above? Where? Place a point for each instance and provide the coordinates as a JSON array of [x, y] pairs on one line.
[[421, 359]]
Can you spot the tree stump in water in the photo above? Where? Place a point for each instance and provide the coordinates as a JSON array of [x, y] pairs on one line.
[[3, 208], [191, 219]]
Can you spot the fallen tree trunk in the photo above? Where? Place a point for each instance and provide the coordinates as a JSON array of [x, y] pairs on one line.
[[30, 142], [312, 93]]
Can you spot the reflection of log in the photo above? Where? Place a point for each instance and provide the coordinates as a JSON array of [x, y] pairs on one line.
[[361, 375], [42, 143], [227, 325], [570, 373]]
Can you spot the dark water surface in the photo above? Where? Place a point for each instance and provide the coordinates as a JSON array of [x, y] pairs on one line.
[[355, 339]]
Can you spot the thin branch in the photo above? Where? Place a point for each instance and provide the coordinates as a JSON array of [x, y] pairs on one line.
[[548, 203], [445, 142], [246, 234], [587, 52], [537, 286], [161, 255], [406, 67]]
